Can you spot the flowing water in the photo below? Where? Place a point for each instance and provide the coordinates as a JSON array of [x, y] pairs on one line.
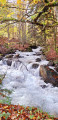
[[26, 83]]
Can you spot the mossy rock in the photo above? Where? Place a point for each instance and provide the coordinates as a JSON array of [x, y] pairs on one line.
[[1, 56], [1, 78], [29, 49]]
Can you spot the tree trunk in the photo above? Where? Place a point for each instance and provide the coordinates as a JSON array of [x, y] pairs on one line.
[[8, 33], [44, 38]]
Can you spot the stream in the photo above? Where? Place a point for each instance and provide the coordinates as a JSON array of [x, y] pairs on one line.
[[23, 78]]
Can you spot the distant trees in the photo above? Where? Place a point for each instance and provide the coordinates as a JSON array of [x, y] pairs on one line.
[[38, 15]]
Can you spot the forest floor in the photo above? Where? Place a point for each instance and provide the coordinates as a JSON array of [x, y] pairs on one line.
[[16, 112]]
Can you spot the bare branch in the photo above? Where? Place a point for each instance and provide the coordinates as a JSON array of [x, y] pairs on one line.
[[45, 10]]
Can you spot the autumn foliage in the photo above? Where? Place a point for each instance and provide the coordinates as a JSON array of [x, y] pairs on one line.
[[17, 112]]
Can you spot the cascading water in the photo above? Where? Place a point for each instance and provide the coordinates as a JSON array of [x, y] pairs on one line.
[[26, 83]]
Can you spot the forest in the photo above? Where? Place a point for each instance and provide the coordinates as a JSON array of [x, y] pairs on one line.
[[28, 59]]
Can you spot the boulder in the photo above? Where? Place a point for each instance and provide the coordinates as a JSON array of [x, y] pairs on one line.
[[11, 51], [56, 67], [51, 63], [29, 49], [38, 60], [49, 75], [43, 86], [16, 56], [21, 56], [38, 53], [1, 78], [9, 56], [43, 57], [1, 57], [33, 46], [35, 66], [7, 61]]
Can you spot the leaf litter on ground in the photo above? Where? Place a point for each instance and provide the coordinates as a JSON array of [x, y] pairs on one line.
[[17, 112]]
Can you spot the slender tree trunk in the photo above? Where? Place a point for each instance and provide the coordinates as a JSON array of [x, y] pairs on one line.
[[55, 28], [8, 33], [8, 30], [19, 35], [55, 31], [44, 37], [25, 32], [13, 31], [23, 27]]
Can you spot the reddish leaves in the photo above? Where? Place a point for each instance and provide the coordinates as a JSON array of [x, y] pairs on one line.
[[51, 55], [17, 112], [13, 44]]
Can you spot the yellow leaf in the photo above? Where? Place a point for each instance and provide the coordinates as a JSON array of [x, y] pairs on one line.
[[3, 1], [36, 1], [8, 43], [18, 1], [8, 15]]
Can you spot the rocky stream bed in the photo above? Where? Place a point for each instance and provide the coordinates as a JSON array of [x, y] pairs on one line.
[[32, 80]]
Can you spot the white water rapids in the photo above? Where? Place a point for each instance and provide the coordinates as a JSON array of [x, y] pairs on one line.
[[26, 83]]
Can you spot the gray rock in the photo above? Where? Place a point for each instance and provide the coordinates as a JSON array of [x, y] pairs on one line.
[[35, 66], [16, 56], [38, 60], [43, 57], [49, 75], [43, 86], [38, 53], [1, 57], [51, 63], [9, 62], [56, 67]]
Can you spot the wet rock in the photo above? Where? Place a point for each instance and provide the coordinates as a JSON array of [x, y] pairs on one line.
[[21, 56], [33, 46], [43, 57], [1, 57], [38, 53], [9, 62], [16, 56], [49, 75], [1, 78], [43, 86], [11, 51], [9, 56], [27, 55], [29, 49], [51, 63], [56, 67], [35, 66], [38, 60]]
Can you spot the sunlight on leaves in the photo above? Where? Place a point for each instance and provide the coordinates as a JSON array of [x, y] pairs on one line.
[[3, 1]]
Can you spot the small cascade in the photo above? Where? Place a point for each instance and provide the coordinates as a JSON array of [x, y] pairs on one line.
[[23, 78]]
